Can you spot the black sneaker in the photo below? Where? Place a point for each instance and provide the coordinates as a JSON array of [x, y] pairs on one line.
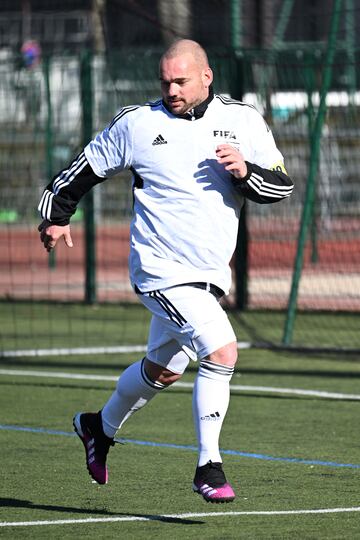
[[210, 482], [88, 427]]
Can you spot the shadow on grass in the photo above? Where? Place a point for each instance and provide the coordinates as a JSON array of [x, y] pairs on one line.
[[19, 503]]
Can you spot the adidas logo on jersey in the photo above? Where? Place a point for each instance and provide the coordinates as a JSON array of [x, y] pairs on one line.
[[159, 140]]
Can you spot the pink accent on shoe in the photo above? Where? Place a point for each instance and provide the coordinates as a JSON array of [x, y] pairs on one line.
[[210, 482], [221, 494], [97, 470], [95, 459]]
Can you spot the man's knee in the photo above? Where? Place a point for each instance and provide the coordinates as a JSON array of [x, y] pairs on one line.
[[155, 372], [226, 355]]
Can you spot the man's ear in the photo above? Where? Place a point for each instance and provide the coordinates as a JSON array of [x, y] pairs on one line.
[[208, 77]]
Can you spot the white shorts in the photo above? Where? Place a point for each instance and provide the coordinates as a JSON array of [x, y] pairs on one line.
[[187, 323]]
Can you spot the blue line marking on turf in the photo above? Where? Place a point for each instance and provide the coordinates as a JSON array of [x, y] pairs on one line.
[[251, 455], [37, 430]]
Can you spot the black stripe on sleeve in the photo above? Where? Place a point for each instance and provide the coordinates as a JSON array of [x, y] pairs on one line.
[[62, 195], [264, 186]]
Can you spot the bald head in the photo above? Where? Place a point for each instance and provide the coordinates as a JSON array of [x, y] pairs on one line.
[[187, 47], [185, 76]]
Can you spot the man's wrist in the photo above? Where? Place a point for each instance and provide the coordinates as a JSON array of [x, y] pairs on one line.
[[243, 179]]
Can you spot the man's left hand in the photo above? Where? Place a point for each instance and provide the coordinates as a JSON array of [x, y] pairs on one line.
[[232, 159]]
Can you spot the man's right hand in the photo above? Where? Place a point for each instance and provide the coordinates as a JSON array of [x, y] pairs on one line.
[[50, 234]]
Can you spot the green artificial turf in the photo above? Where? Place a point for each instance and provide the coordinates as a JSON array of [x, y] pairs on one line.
[[44, 477]]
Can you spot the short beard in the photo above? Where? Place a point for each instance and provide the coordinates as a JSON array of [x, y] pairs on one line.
[[185, 108]]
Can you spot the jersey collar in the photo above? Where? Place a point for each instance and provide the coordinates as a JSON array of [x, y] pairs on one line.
[[198, 111]]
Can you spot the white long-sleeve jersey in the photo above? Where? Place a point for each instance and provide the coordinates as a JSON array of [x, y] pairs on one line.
[[186, 206]]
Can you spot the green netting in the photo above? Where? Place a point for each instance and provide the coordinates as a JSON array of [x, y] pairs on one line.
[[41, 119]]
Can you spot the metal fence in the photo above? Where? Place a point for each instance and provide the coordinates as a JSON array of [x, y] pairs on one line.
[[42, 126]]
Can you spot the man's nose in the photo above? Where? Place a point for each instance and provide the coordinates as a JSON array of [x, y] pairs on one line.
[[173, 89]]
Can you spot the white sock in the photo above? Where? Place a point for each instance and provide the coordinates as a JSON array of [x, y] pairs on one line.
[[134, 389], [210, 403]]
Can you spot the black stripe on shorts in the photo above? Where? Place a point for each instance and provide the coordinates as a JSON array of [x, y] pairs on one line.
[[168, 307]]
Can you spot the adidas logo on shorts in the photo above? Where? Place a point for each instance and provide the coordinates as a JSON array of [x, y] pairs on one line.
[[159, 140]]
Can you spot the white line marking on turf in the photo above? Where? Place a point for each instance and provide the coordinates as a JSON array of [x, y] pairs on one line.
[[233, 387], [119, 349], [276, 390], [179, 516], [58, 375], [75, 350]]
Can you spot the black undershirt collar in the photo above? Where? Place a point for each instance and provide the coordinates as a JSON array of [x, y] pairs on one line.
[[196, 112]]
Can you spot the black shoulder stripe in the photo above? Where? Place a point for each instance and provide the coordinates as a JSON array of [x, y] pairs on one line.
[[122, 113], [130, 108], [229, 101]]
